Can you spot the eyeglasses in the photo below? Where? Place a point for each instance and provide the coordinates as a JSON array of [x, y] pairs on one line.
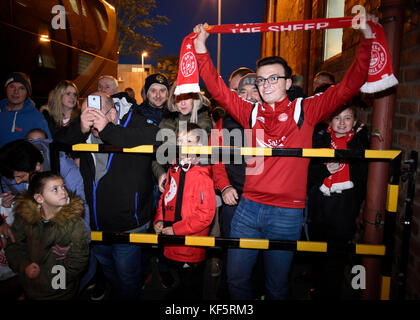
[[273, 79]]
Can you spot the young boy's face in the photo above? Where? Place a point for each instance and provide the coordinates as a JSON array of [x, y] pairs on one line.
[[342, 123], [35, 135], [187, 139]]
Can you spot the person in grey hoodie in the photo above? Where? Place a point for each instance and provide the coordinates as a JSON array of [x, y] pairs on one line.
[[18, 114]]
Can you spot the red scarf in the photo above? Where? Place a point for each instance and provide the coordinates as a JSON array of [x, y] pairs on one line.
[[172, 197], [341, 179], [380, 75], [187, 79]]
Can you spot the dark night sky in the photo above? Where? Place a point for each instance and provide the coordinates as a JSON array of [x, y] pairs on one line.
[[236, 50]]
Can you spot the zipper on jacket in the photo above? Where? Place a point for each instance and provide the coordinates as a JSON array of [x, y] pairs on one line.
[[95, 185], [94, 205], [14, 122]]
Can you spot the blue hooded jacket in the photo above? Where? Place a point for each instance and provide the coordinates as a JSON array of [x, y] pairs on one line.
[[16, 124], [68, 170]]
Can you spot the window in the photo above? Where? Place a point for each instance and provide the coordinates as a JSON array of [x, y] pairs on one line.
[[74, 6], [84, 61], [101, 20], [333, 38], [83, 9]]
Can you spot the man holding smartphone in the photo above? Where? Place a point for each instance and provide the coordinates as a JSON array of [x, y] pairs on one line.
[[118, 186]]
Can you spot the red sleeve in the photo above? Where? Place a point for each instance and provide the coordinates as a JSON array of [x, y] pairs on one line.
[[320, 106], [219, 174], [228, 99], [159, 213], [201, 209], [220, 177]]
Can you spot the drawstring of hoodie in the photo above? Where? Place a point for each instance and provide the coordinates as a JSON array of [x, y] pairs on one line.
[[14, 122]]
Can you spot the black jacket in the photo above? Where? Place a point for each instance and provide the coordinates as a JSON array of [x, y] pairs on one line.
[[235, 172], [122, 199]]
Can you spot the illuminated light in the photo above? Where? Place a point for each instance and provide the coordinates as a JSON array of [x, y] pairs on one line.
[[44, 38], [109, 5]]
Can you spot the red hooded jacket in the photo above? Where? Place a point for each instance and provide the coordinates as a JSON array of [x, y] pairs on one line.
[[197, 213]]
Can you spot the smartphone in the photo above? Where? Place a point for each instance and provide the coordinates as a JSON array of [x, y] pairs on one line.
[[94, 101]]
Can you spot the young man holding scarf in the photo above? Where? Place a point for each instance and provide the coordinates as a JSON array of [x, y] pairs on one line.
[[273, 199]]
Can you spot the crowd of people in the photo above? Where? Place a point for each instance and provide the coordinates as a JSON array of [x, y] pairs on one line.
[[47, 217]]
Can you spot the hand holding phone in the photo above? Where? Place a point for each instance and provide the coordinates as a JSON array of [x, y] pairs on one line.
[[94, 101]]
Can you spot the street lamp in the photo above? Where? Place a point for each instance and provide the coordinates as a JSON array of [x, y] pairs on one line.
[[219, 36], [144, 54]]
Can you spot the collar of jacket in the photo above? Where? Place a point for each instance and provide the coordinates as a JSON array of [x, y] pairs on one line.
[[28, 210]]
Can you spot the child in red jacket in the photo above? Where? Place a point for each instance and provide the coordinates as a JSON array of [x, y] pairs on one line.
[[187, 207]]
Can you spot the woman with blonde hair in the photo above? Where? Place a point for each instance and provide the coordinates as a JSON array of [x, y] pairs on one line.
[[64, 106], [186, 107], [190, 107]]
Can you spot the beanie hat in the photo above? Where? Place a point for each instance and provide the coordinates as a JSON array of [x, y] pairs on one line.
[[21, 78], [155, 78], [248, 79]]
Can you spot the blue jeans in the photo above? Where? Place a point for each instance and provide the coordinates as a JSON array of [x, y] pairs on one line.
[[121, 264], [260, 221]]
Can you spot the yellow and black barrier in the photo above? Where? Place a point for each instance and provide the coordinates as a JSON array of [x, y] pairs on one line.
[[236, 243], [392, 194], [249, 151]]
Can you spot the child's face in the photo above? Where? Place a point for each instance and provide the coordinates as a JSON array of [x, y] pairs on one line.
[[54, 194], [343, 123], [35, 135], [187, 139]]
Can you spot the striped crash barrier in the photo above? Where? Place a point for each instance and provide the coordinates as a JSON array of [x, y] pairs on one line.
[[206, 151], [236, 243]]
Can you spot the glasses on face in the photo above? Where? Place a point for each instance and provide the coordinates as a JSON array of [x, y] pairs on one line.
[[273, 79]]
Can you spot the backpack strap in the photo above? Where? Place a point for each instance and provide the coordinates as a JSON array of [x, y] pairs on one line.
[[253, 117], [298, 115]]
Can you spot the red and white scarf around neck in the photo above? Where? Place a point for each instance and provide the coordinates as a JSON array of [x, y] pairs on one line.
[[380, 75], [340, 180]]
